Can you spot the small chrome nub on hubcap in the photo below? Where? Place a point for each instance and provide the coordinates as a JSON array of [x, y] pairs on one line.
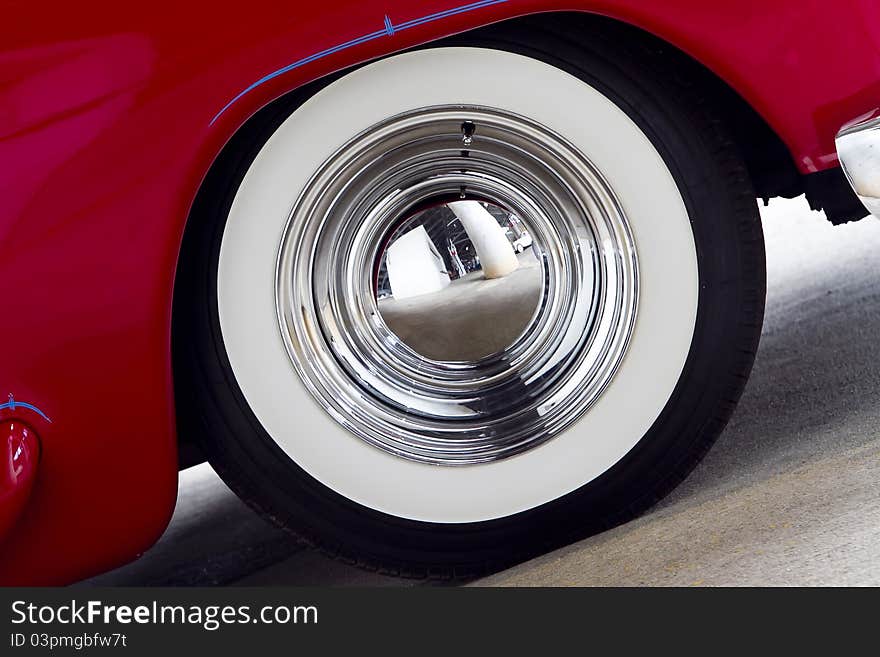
[[468, 129], [457, 306]]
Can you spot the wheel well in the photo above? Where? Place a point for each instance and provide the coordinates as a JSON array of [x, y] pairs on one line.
[[766, 157]]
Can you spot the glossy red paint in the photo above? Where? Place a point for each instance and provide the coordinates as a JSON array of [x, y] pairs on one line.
[[19, 457], [107, 129]]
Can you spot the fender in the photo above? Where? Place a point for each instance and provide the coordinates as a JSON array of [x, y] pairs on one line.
[[779, 72], [110, 119]]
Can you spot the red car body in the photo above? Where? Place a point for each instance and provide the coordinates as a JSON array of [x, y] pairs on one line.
[[110, 116]]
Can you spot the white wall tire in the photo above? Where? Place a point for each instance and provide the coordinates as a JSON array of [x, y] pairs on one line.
[[308, 434], [378, 488]]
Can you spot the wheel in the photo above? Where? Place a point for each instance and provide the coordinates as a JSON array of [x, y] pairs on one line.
[[370, 367]]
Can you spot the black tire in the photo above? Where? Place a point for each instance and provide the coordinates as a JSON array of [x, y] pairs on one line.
[[717, 192]]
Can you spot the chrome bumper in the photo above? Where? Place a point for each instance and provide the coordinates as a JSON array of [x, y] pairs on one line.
[[858, 147]]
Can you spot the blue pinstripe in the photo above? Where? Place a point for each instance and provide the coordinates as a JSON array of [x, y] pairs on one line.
[[389, 30]]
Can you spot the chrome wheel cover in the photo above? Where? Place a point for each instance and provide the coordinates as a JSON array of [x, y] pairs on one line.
[[456, 412]]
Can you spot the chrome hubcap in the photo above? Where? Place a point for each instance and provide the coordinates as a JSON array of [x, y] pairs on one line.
[[421, 330]]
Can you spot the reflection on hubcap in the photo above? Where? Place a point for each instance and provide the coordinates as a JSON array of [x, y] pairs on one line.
[[457, 285], [453, 297]]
